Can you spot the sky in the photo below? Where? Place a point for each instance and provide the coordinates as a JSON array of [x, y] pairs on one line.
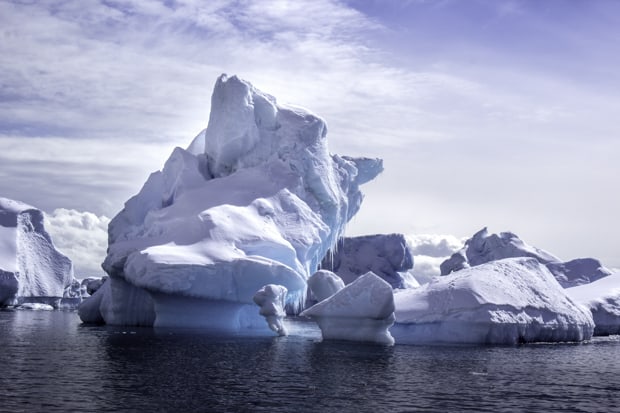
[[485, 112]]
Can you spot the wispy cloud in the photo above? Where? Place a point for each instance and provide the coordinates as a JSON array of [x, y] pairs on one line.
[[467, 102]]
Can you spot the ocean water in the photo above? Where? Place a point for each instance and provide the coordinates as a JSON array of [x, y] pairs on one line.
[[50, 362]]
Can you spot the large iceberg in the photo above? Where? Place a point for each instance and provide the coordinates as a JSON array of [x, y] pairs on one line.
[[386, 255], [510, 301], [256, 199], [361, 311], [30, 265], [484, 247], [602, 298]]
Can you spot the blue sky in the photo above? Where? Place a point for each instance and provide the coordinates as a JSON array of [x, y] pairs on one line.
[[486, 112]]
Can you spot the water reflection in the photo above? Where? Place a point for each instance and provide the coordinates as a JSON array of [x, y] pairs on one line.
[[52, 363]]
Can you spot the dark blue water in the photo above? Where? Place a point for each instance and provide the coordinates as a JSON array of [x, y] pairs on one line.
[[50, 362]]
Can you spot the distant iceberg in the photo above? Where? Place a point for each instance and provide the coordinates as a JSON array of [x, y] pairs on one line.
[[509, 301], [484, 247], [256, 199], [386, 255], [31, 269]]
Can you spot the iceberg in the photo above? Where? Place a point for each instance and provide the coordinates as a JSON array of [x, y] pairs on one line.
[[361, 311], [386, 255], [256, 199], [484, 247], [271, 299], [30, 265], [509, 301], [602, 298], [323, 284]]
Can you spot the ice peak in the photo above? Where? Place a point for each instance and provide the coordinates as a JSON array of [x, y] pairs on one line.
[[259, 203]]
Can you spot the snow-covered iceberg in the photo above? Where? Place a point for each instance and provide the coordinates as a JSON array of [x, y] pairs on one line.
[[508, 301], [256, 199], [602, 298], [30, 265], [361, 311], [484, 247], [271, 299], [323, 284], [386, 255]]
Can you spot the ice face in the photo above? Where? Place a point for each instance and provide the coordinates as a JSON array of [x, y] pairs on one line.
[[271, 300], [602, 298], [386, 255], [261, 205], [484, 247], [361, 311], [503, 302], [30, 266]]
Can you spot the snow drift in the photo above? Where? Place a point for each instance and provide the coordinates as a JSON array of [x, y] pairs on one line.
[[484, 247], [602, 298], [386, 255], [256, 199], [514, 300], [30, 265]]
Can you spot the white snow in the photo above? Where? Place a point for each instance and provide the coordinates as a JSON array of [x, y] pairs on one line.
[[361, 311], [386, 255], [602, 298], [502, 302], [323, 284], [30, 266], [484, 247], [271, 300], [261, 205]]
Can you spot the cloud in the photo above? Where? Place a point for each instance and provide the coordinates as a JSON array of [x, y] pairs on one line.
[[82, 236], [429, 251], [481, 117], [433, 245]]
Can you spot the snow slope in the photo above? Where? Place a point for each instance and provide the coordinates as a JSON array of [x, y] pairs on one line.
[[508, 301], [261, 204], [484, 247], [30, 266], [384, 254], [602, 298]]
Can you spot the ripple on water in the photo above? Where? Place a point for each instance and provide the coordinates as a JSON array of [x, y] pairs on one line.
[[52, 363]]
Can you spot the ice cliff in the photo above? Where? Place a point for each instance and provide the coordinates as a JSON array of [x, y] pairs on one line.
[[602, 298], [507, 301], [256, 199], [484, 247], [30, 266], [386, 255]]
